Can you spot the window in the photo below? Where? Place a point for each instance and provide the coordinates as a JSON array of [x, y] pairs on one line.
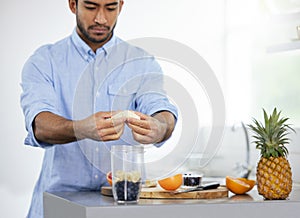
[[256, 78]]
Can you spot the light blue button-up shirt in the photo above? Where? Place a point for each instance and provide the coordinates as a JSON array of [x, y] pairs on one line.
[[69, 79]]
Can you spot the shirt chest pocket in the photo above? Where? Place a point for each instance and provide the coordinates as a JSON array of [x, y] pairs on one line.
[[122, 98]]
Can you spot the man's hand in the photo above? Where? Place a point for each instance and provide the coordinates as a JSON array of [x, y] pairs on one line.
[[100, 126], [152, 129]]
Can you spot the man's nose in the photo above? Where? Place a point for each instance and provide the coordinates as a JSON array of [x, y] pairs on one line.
[[100, 18]]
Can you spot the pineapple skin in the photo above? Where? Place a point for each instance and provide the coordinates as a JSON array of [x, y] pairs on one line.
[[274, 178]]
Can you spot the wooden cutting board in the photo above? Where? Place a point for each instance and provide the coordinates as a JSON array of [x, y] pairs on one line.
[[159, 193]]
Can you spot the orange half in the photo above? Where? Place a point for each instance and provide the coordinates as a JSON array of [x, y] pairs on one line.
[[171, 183], [250, 182], [237, 185]]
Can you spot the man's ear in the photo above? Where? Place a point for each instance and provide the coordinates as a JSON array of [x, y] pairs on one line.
[[121, 5], [72, 6]]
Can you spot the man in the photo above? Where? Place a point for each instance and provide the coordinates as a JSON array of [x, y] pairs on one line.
[[72, 93]]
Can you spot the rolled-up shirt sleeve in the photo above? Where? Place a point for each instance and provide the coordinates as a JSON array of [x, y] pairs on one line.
[[38, 92], [151, 97]]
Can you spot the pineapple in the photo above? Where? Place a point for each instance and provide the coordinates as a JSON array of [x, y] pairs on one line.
[[274, 175]]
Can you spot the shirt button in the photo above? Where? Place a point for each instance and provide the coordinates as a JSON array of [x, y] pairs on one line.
[[96, 176], [97, 149]]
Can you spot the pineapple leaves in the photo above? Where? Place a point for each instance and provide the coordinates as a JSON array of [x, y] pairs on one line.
[[271, 137], [266, 119]]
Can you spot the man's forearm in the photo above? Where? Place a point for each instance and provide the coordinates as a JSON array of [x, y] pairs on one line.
[[167, 118], [53, 129]]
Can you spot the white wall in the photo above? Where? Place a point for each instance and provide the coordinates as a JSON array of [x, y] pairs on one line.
[[24, 27]]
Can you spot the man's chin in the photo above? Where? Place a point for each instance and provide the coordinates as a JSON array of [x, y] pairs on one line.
[[100, 38]]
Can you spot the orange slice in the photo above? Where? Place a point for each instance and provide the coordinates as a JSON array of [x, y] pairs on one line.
[[237, 185], [109, 178], [171, 183]]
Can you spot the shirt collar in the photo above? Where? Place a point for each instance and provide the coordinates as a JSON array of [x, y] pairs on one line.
[[86, 52], [107, 46]]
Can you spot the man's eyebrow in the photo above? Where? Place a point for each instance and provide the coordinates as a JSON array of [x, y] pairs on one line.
[[94, 3], [90, 3], [112, 4]]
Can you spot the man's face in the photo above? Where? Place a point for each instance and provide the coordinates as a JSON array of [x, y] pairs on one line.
[[96, 19]]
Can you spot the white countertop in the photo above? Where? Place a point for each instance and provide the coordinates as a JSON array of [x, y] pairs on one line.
[[93, 204]]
